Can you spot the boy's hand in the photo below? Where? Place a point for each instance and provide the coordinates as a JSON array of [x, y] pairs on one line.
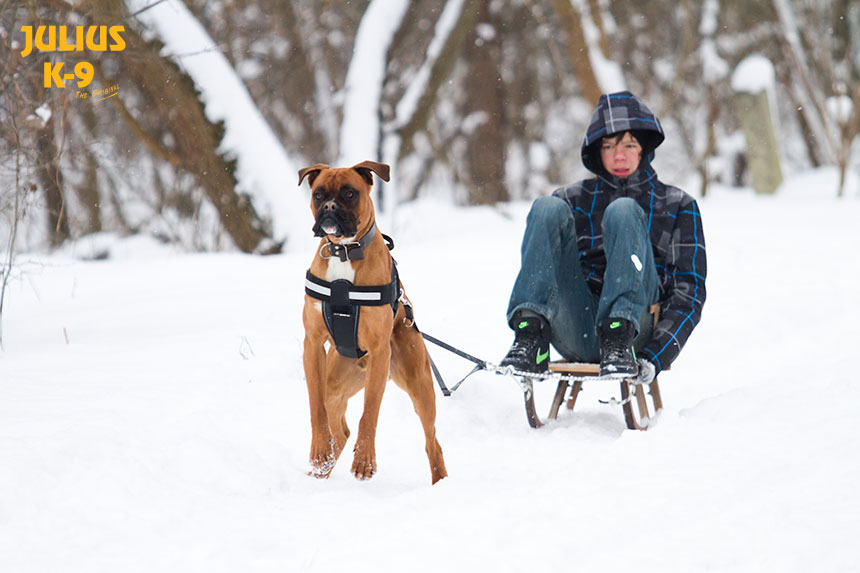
[[646, 371]]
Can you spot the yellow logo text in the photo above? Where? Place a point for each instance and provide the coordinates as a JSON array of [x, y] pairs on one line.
[[64, 39]]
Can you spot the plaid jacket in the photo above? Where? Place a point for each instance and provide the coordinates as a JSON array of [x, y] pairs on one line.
[[674, 224]]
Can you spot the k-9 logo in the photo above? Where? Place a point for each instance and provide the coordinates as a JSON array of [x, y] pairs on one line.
[[71, 39]]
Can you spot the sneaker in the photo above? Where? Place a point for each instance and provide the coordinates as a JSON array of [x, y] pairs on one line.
[[530, 350], [617, 357]]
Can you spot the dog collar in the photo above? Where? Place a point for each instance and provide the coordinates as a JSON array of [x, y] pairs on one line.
[[354, 250]]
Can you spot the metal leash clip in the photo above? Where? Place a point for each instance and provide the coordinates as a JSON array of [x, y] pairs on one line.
[[409, 319]]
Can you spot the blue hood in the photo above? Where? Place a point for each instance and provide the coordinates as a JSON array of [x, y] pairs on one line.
[[617, 113]]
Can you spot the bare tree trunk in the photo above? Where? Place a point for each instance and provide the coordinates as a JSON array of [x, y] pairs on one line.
[[51, 182], [848, 44], [317, 66], [407, 53], [810, 102], [196, 140], [710, 146], [816, 154], [9, 255], [597, 16], [486, 150], [88, 192], [848, 132], [762, 149], [578, 50], [688, 41], [440, 71]]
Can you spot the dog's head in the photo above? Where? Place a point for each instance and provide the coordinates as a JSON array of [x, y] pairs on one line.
[[340, 198]]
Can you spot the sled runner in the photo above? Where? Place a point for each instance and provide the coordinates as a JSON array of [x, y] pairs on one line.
[[570, 377]]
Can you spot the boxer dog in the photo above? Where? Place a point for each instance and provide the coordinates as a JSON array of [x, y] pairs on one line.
[[353, 264]]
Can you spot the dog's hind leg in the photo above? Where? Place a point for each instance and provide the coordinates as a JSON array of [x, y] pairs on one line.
[[410, 369]]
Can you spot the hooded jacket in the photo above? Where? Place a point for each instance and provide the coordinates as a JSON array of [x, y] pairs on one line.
[[674, 223]]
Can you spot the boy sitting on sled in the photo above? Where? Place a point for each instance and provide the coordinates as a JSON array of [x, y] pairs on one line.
[[598, 253]]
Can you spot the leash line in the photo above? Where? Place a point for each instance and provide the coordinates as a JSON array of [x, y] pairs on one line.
[[481, 363], [445, 391]]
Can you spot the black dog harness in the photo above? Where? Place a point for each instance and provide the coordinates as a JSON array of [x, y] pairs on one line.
[[342, 300]]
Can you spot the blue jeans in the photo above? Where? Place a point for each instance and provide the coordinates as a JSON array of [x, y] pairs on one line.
[[551, 282]]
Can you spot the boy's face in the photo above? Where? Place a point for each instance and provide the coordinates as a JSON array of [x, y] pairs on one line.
[[620, 154]]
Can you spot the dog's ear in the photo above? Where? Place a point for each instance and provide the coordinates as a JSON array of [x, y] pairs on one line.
[[365, 167], [311, 172]]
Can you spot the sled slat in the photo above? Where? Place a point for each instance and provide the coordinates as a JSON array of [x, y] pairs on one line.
[[575, 368]]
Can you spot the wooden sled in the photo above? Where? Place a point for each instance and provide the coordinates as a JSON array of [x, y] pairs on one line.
[[633, 400]]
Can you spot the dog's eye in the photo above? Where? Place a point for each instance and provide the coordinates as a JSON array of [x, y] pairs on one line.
[[319, 196], [349, 195]]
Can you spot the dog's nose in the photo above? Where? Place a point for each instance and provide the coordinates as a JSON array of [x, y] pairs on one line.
[[329, 206]]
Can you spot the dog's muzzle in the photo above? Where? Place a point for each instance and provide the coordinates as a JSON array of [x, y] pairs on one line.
[[332, 221]]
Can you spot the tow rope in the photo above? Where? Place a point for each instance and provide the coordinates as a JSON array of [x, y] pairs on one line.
[[525, 378], [479, 364]]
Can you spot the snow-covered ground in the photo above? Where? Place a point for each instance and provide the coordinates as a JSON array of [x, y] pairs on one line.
[[153, 414]]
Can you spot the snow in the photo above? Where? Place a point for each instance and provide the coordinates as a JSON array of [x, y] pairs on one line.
[[43, 112], [360, 129], [714, 67], [710, 16], [609, 74], [171, 431], [839, 108], [753, 75]]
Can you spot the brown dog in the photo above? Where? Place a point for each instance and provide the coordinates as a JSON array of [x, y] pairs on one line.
[[352, 269]]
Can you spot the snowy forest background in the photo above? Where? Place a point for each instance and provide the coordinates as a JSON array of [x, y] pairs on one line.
[[483, 100]]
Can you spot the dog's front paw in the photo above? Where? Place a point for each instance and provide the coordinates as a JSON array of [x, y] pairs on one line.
[[322, 461], [364, 464], [321, 469]]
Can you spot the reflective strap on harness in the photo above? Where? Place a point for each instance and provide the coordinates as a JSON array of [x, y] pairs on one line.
[[341, 307], [318, 290], [343, 292]]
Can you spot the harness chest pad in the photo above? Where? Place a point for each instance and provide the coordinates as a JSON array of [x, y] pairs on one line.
[[341, 319], [341, 307]]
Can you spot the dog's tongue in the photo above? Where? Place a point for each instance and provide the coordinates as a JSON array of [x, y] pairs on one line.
[[330, 228], [327, 225]]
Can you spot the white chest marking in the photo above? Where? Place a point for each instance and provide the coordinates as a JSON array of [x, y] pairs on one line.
[[338, 270]]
